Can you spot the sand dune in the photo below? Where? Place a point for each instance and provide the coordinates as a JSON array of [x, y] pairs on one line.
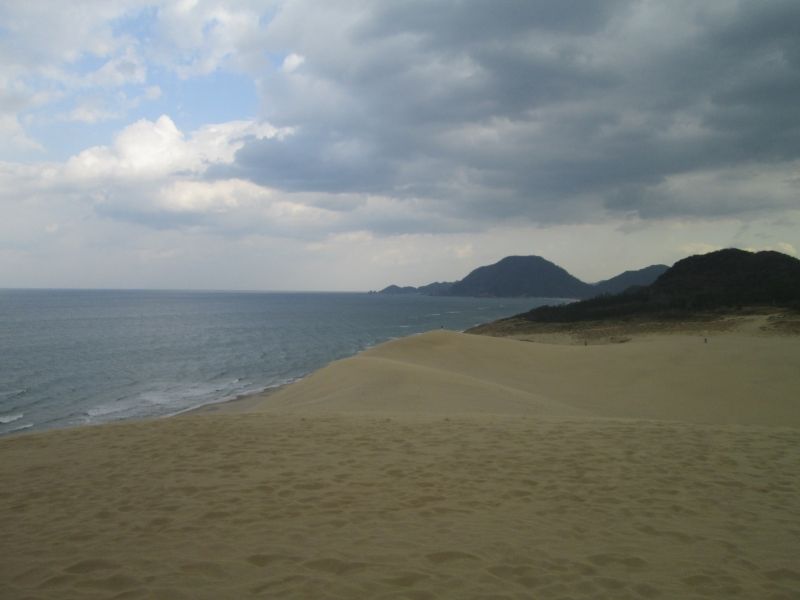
[[732, 379], [438, 466]]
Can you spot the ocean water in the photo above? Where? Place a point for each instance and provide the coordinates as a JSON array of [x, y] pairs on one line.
[[73, 357]]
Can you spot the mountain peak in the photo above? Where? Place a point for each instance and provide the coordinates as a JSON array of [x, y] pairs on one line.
[[521, 276], [534, 276]]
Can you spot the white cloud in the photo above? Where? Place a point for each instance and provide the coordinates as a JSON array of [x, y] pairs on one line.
[[143, 148], [784, 247], [337, 240], [153, 175], [95, 108], [190, 36], [292, 62], [124, 69], [14, 136], [353, 237], [198, 37], [698, 248], [746, 188], [218, 143], [210, 197], [43, 34], [44, 53], [158, 148], [461, 250], [249, 201], [91, 110]]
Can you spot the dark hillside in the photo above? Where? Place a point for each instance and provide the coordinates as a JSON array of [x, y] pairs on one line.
[[625, 280], [521, 276], [718, 280], [731, 277]]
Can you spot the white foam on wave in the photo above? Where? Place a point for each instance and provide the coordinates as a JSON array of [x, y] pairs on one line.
[[134, 407], [169, 400], [19, 428], [236, 396], [10, 418], [102, 410]]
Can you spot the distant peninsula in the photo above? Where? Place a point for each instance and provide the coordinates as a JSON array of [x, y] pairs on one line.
[[530, 276]]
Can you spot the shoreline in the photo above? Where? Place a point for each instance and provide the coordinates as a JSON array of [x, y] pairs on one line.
[[250, 402], [239, 404], [206, 355], [764, 321], [618, 337]]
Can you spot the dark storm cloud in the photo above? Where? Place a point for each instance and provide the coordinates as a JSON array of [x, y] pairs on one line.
[[317, 161], [544, 111], [449, 23]]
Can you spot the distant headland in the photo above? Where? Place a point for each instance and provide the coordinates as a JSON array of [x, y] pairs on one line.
[[533, 276]]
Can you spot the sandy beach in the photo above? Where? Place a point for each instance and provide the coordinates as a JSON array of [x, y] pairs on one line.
[[442, 465]]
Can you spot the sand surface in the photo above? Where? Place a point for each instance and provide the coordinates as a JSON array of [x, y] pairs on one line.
[[439, 466]]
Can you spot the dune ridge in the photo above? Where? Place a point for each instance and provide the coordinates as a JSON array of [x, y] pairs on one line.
[[733, 379], [437, 466]]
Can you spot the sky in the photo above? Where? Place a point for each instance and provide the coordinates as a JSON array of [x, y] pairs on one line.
[[347, 145]]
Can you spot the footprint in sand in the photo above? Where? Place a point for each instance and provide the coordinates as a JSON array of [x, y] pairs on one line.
[[208, 570], [632, 562], [92, 565], [334, 566], [783, 575], [264, 560], [406, 579], [438, 558]]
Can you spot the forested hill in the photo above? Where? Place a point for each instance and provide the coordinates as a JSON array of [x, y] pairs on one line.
[[724, 279]]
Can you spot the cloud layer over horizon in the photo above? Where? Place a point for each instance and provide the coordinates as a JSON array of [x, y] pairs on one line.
[[347, 145]]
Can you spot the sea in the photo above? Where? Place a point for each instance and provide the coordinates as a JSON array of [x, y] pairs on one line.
[[76, 357]]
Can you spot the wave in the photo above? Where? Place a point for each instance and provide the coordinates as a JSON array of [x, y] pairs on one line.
[[19, 428], [169, 400], [105, 409], [10, 418], [252, 391]]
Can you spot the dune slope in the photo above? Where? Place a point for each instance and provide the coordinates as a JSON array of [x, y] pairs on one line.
[[733, 379]]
